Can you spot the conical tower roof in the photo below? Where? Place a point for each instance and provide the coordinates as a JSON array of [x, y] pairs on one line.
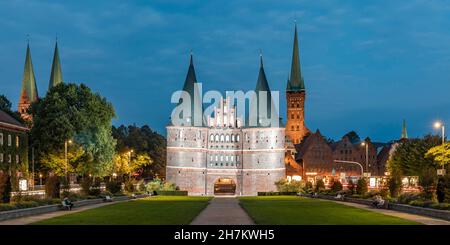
[[56, 73], [404, 131], [295, 82], [191, 88], [29, 91]]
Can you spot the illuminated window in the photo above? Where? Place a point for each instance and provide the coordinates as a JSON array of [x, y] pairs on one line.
[[9, 140], [17, 141], [211, 137], [1, 157], [237, 138], [221, 138], [227, 138], [217, 138], [232, 138], [17, 159], [1, 138]]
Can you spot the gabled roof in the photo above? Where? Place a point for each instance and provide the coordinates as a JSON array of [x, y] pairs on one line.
[[8, 121]]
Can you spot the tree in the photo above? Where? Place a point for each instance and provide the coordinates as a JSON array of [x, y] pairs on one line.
[[143, 140], [124, 164], [361, 187], [351, 186], [320, 186], [73, 112], [336, 185], [394, 185], [410, 156], [428, 181], [5, 104], [440, 154]]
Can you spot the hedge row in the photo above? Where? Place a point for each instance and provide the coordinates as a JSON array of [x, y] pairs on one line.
[[172, 193], [273, 193]]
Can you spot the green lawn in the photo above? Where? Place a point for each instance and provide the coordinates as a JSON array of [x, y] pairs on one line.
[[159, 210], [291, 210]]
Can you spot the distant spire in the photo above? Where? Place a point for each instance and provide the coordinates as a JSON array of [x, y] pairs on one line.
[[189, 87], [28, 93], [29, 88], [296, 82], [56, 73], [263, 85], [404, 132]]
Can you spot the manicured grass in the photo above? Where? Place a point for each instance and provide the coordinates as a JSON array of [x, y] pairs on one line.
[[159, 210], [291, 210]]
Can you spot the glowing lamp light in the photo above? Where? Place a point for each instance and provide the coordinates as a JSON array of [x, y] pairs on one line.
[[297, 178], [438, 124]]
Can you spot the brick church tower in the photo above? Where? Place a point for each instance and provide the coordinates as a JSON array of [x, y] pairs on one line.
[[28, 93], [295, 99]]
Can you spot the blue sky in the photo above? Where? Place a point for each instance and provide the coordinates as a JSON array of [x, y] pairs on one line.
[[366, 64]]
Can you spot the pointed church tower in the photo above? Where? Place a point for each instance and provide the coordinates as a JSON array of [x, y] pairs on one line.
[[404, 132], [295, 98], [56, 73], [263, 86], [29, 93], [191, 87]]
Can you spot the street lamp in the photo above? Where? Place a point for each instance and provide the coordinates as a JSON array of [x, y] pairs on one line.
[[40, 179], [364, 143], [441, 125], [65, 156]]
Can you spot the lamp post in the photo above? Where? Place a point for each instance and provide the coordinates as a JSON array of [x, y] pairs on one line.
[[364, 143], [129, 160], [442, 126], [40, 179], [65, 157]]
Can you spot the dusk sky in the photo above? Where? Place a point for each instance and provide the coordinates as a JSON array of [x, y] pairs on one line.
[[366, 64]]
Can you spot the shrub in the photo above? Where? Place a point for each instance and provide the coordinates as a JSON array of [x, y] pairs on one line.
[[167, 186], [442, 206], [427, 180], [95, 188], [394, 185], [308, 188], [53, 187], [407, 197], [285, 186], [320, 186], [336, 186], [86, 184], [114, 186], [422, 203], [172, 193], [5, 188], [153, 186], [129, 186], [443, 189], [276, 193], [351, 187], [361, 186]]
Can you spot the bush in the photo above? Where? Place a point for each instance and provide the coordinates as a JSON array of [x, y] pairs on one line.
[[172, 193], [86, 184], [443, 189], [406, 198], [285, 186], [114, 186], [53, 187], [308, 188], [153, 186], [276, 193], [361, 187], [442, 206], [351, 187], [320, 186], [129, 186], [95, 188], [5, 188], [428, 181], [336, 186], [421, 203], [394, 185]]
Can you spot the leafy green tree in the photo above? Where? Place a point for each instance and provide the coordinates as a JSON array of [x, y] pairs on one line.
[[5, 104], [143, 140], [394, 185], [73, 112], [336, 185], [351, 186], [440, 154], [125, 164], [428, 182]]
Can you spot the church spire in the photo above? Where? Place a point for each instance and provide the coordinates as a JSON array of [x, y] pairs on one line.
[[295, 82], [263, 86], [29, 91], [404, 132], [190, 86], [56, 73]]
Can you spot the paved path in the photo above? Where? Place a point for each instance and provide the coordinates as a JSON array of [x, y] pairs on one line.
[[417, 218], [35, 218], [223, 211]]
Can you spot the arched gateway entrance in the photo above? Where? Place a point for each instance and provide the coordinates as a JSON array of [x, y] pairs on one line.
[[224, 186]]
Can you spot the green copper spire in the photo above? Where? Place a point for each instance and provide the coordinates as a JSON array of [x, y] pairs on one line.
[[56, 73], [404, 132], [29, 90], [295, 82]]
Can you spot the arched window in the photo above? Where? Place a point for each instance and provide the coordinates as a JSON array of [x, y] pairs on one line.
[[221, 157], [237, 138], [232, 138], [217, 157], [292, 127], [227, 138], [226, 158], [221, 138], [211, 137], [217, 138], [298, 127]]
